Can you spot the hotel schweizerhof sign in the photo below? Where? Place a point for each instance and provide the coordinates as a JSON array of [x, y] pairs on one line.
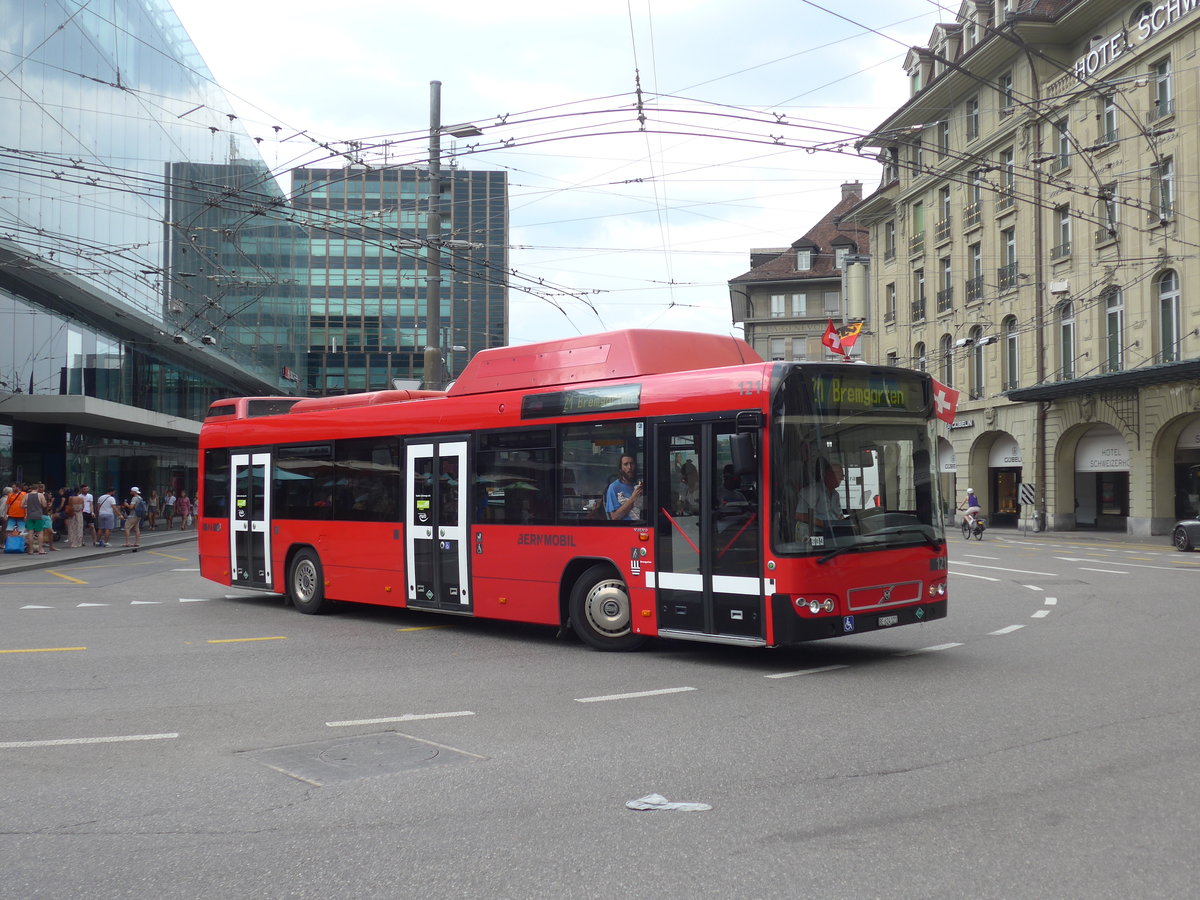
[[1154, 18]]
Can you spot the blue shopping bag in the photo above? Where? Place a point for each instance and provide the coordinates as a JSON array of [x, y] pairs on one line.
[[14, 543]]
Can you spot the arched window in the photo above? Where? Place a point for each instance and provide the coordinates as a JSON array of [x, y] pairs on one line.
[[1114, 329], [920, 360], [975, 363], [947, 353], [1168, 316], [1012, 362], [1066, 341]]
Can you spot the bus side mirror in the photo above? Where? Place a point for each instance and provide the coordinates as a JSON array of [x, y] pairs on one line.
[[745, 459]]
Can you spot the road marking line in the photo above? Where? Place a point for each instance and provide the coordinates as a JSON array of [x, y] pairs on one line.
[[1007, 569], [977, 556], [424, 627], [245, 640], [969, 575], [193, 599], [169, 556], [1009, 630], [37, 607], [45, 649], [144, 602], [633, 696], [407, 717], [1040, 614], [934, 649], [1103, 571], [65, 577], [1032, 587], [1051, 601], [62, 742], [82, 605], [806, 672]]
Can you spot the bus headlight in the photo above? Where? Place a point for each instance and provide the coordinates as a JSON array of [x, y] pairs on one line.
[[937, 589], [816, 605]]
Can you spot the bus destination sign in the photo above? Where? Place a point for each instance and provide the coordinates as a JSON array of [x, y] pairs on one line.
[[582, 401], [851, 392]]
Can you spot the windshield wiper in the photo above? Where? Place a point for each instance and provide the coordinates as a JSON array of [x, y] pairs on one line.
[[870, 544], [837, 551]]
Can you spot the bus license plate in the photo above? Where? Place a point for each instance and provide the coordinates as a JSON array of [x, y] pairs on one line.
[[885, 621]]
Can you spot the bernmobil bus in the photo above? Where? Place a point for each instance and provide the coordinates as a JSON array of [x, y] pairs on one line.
[[625, 485]]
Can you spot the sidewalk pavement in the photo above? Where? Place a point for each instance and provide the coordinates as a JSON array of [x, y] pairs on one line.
[[151, 540]]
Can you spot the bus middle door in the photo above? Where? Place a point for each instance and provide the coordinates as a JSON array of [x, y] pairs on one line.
[[250, 520], [707, 533], [436, 526]]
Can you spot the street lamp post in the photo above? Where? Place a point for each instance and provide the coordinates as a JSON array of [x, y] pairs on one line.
[[433, 250], [435, 369]]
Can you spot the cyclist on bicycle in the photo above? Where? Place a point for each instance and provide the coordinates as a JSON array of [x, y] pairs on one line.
[[971, 505]]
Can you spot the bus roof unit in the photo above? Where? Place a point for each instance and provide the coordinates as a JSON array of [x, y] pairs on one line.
[[630, 353]]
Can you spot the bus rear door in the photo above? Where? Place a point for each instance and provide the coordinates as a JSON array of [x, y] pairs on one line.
[[707, 530], [250, 519], [436, 530]]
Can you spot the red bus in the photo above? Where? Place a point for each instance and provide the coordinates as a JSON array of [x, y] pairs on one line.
[[625, 485]]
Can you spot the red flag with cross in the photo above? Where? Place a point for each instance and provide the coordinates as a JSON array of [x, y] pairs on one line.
[[945, 402]]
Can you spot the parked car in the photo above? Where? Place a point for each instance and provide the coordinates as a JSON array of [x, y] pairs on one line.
[[1186, 535]]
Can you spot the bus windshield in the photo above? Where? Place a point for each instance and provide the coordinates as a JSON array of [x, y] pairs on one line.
[[853, 461]]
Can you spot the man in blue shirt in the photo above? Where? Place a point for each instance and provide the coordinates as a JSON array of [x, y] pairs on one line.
[[623, 500]]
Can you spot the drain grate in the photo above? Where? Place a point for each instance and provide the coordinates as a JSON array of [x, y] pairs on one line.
[[365, 756]]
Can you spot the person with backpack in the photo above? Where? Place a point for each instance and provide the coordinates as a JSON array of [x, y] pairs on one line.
[[35, 514], [135, 511]]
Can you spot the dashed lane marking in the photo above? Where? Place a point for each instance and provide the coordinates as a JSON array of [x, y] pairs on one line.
[[63, 742], [245, 640], [1103, 571], [816, 671], [969, 575], [1040, 614], [45, 650], [634, 695], [1009, 630], [934, 649], [65, 577], [407, 717], [1007, 569]]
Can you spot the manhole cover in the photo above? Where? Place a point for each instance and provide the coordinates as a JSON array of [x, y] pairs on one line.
[[366, 756]]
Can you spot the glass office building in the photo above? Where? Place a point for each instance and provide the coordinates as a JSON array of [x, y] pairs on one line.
[[366, 262], [147, 262]]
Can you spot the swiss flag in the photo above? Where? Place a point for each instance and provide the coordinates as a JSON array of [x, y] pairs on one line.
[[832, 339], [945, 402]]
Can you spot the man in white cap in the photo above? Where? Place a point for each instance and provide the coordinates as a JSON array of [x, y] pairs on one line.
[[135, 509]]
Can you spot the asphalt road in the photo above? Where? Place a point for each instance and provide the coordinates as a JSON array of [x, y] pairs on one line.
[[162, 737]]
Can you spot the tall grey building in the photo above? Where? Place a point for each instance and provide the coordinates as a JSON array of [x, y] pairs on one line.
[[367, 255]]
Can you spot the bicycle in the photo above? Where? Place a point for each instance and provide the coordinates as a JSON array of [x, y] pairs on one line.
[[975, 530]]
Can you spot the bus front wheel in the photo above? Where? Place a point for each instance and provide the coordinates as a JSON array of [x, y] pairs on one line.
[[601, 613], [306, 583]]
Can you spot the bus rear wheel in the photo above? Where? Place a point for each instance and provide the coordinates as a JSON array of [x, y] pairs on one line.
[[306, 583], [601, 613]]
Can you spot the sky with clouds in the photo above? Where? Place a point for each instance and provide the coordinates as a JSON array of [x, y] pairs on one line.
[[620, 214]]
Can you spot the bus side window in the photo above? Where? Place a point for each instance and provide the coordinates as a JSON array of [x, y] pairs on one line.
[[515, 478]]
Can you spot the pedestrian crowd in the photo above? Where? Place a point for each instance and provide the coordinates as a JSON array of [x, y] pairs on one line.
[[33, 519]]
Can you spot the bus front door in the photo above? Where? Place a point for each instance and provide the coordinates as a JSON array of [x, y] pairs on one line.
[[249, 520], [436, 529], [707, 532]]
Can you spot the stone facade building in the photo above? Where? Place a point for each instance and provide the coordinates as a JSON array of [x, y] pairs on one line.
[[788, 297], [1036, 234]]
